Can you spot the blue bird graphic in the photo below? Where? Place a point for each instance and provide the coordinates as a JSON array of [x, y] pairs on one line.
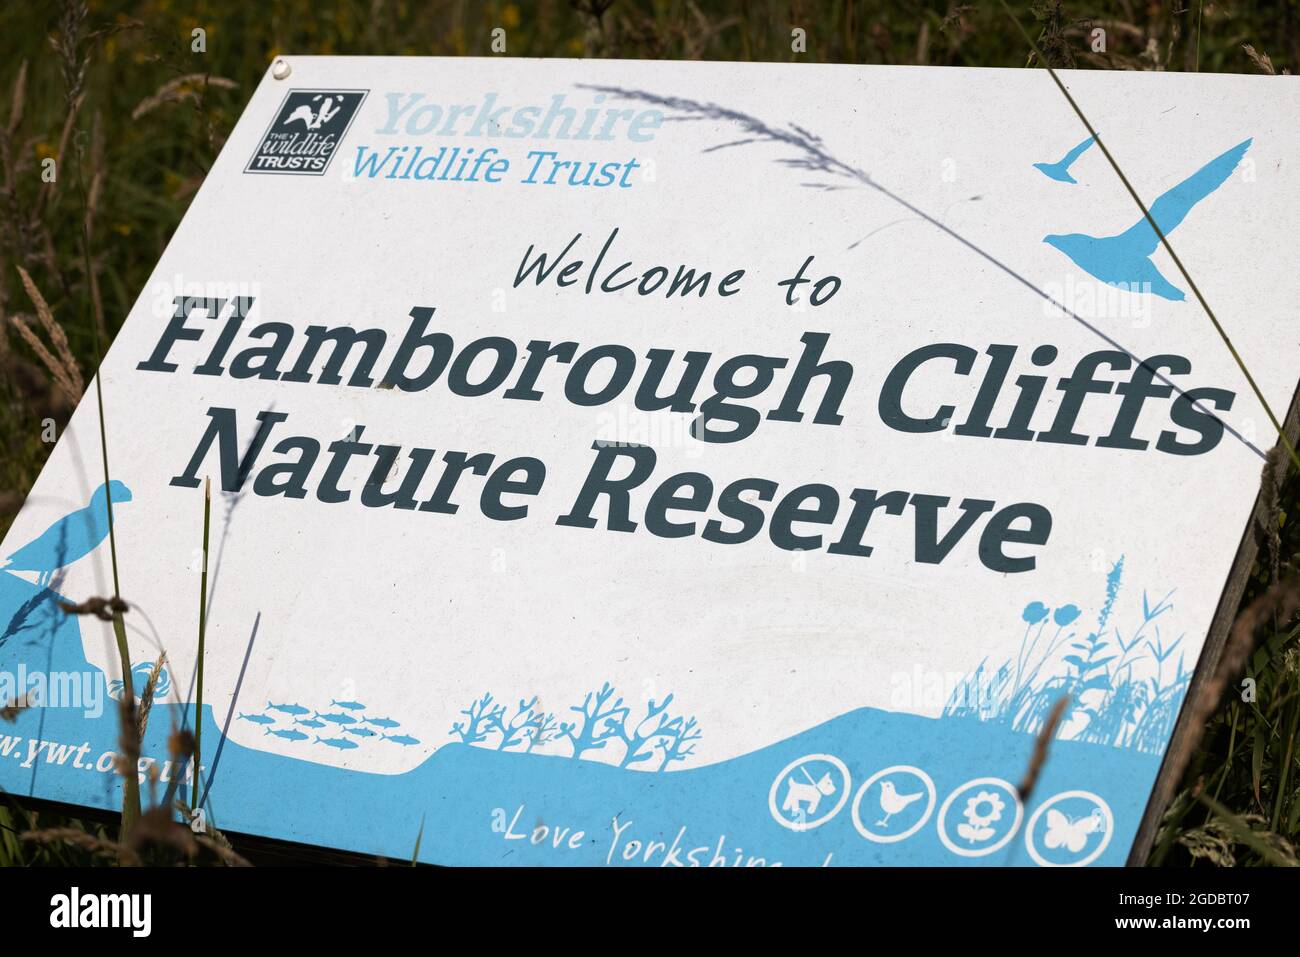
[[1125, 260], [74, 536], [1060, 171]]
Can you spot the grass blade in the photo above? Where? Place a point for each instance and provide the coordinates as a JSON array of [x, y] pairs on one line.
[[419, 835], [203, 627], [1164, 240], [1245, 834]]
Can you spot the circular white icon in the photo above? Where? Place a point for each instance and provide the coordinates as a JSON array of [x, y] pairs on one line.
[[808, 790], [894, 798], [983, 813], [1074, 834]]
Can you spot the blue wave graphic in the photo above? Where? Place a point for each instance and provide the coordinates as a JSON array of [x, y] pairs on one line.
[[481, 806]]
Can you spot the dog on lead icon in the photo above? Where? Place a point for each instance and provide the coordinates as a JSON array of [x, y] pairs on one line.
[[802, 797], [809, 791]]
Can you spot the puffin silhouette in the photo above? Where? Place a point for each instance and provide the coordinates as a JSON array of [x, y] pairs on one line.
[[74, 536]]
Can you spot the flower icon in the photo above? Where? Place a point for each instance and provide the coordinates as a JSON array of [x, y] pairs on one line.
[[982, 810], [985, 816], [1034, 612], [1066, 614]]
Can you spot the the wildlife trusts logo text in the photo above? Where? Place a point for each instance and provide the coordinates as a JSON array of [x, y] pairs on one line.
[[306, 132]]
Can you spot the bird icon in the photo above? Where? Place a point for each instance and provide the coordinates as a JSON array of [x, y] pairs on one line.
[[891, 802], [1125, 260], [74, 536], [1060, 170]]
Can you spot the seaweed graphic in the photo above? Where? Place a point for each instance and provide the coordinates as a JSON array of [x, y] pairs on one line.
[[599, 721], [1123, 693], [522, 726], [681, 745], [546, 731], [480, 718], [643, 737], [655, 736]]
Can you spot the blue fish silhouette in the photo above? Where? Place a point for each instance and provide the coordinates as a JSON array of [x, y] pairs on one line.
[[258, 718], [338, 717], [1125, 260], [402, 739], [287, 708], [343, 744], [350, 705], [382, 722], [1060, 170], [360, 732], [287, 733], [74, 536], [310, 723]]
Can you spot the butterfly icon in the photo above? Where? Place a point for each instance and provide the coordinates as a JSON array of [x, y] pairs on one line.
[[1072, 834]]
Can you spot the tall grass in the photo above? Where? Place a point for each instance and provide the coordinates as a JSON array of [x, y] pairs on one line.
[[202, 648], [1118, 689]]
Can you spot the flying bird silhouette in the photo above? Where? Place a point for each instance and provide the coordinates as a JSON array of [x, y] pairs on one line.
[[891, 802], [1060, 170], [1125, 260], [74, 536]]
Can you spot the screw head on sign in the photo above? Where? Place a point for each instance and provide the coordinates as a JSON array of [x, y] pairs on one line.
[[280, 69]]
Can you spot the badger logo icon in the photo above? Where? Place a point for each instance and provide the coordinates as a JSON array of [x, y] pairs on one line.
[[313, 121]]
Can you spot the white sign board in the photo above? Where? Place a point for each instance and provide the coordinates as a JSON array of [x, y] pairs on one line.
[[648, 463]]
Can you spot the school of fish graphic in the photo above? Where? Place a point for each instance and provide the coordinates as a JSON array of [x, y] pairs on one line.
[[290, 721]]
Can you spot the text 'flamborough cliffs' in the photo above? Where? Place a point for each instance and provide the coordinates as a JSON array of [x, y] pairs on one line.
[[729, 398]]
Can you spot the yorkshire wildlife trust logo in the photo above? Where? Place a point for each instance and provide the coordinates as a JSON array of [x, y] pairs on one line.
[[306, 132]]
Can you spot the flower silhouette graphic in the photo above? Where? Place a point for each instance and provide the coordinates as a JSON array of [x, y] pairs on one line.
[[1035, 612]]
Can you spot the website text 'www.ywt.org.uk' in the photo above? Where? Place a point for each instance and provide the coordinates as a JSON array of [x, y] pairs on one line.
[[31, 752]]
